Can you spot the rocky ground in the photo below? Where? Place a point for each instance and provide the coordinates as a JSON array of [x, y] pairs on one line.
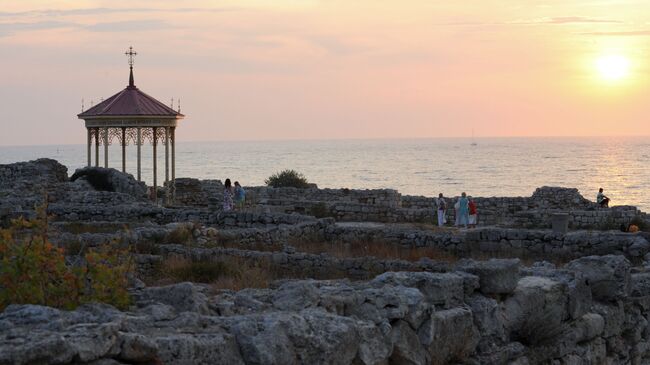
[[306, 290]]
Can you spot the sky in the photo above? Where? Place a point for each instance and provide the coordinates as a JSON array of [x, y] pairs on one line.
[[307, 69]]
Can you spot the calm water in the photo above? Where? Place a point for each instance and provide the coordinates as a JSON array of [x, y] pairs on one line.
[[495, 167]]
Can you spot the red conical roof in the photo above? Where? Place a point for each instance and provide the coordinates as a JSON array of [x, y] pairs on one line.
[[130, 102]]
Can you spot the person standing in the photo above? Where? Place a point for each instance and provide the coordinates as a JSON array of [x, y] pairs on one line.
[[463, 210], [240, 196], [227, 196], [601, 199], [473, 212], [442, 210]]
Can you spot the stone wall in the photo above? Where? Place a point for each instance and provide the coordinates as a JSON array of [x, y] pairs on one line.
[[493, 241], [306, 264], [386, 205], [594, 310]]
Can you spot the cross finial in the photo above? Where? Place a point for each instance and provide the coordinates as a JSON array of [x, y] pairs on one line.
[[130, 55]]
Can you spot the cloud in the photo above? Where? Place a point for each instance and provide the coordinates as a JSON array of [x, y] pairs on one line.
[[7, 29], [104, 11], [129, 26], [621, 33], [565, 20]]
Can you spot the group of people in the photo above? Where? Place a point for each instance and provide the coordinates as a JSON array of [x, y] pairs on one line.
[[233, 196], [465, 209], [467, 213]]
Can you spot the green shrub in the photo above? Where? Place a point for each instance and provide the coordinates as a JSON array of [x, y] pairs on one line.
[[179, 235], [34, 271], [182, 269], [287, 179], [320, 210]]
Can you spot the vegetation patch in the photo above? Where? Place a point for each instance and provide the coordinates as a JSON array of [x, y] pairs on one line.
[[320, 210], [287, 179], [34, 271]]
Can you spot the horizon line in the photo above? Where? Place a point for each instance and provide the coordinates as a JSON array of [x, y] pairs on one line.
[[598, 136]]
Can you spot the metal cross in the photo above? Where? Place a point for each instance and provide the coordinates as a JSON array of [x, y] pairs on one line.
[[130, 54]]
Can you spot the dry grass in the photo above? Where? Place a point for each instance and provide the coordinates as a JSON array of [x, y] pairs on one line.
[[255, 246], [377, 249], [104, 227], [226, 273]]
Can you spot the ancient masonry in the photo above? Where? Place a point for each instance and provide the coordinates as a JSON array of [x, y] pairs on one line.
[[518, 293]]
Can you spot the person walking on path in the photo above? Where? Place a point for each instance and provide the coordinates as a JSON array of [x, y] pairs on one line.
[[473, 212], [442, 210], [227, 196], [463, 210], [601, 199], [240, 196]]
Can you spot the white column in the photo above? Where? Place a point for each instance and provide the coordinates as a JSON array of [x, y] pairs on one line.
[[89, 147], [123, 149], [96, 147], [166, 154], [155, 165], [173, 136], [139, 143], [106, 147]]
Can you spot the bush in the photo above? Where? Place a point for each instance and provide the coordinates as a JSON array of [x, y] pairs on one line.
[[180, 269], [287, 179], [179, 235], [320, 210], [34, 271], [231, 273]]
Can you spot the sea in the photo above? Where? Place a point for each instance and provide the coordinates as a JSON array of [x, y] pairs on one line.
[[483, 167]]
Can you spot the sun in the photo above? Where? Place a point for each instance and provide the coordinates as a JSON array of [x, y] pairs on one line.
[[613, 67]]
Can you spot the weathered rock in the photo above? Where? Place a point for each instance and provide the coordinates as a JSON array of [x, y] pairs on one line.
[[640, 284], [608, 276], [182, 297], [536, 301], [112, 180], [588, 327], [450, 336], [579, 292], [497, 276], [445, 290], [407, 349], [214, 347]]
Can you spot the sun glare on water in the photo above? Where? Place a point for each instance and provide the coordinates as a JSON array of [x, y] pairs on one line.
[[613, 67]]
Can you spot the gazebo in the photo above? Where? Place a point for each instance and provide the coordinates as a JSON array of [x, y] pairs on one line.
[[132, 115]]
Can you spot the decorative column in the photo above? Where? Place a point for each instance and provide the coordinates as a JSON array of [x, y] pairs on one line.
[[139, 143], [155, 163], [124, 149], [166, 155], [173, 137], [89, 143], [106, 147], [96, 147]]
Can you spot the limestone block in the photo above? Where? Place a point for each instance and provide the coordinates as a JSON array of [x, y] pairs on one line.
[[640, 284], [535, 298], [588, 327], [497, 276], [608, 276], [407, 349], [445, 290], [451, 335]]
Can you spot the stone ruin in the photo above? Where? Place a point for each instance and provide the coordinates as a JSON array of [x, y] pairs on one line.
[[512, 292]]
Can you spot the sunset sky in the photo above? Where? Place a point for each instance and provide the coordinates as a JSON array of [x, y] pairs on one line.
[[301, 69]]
